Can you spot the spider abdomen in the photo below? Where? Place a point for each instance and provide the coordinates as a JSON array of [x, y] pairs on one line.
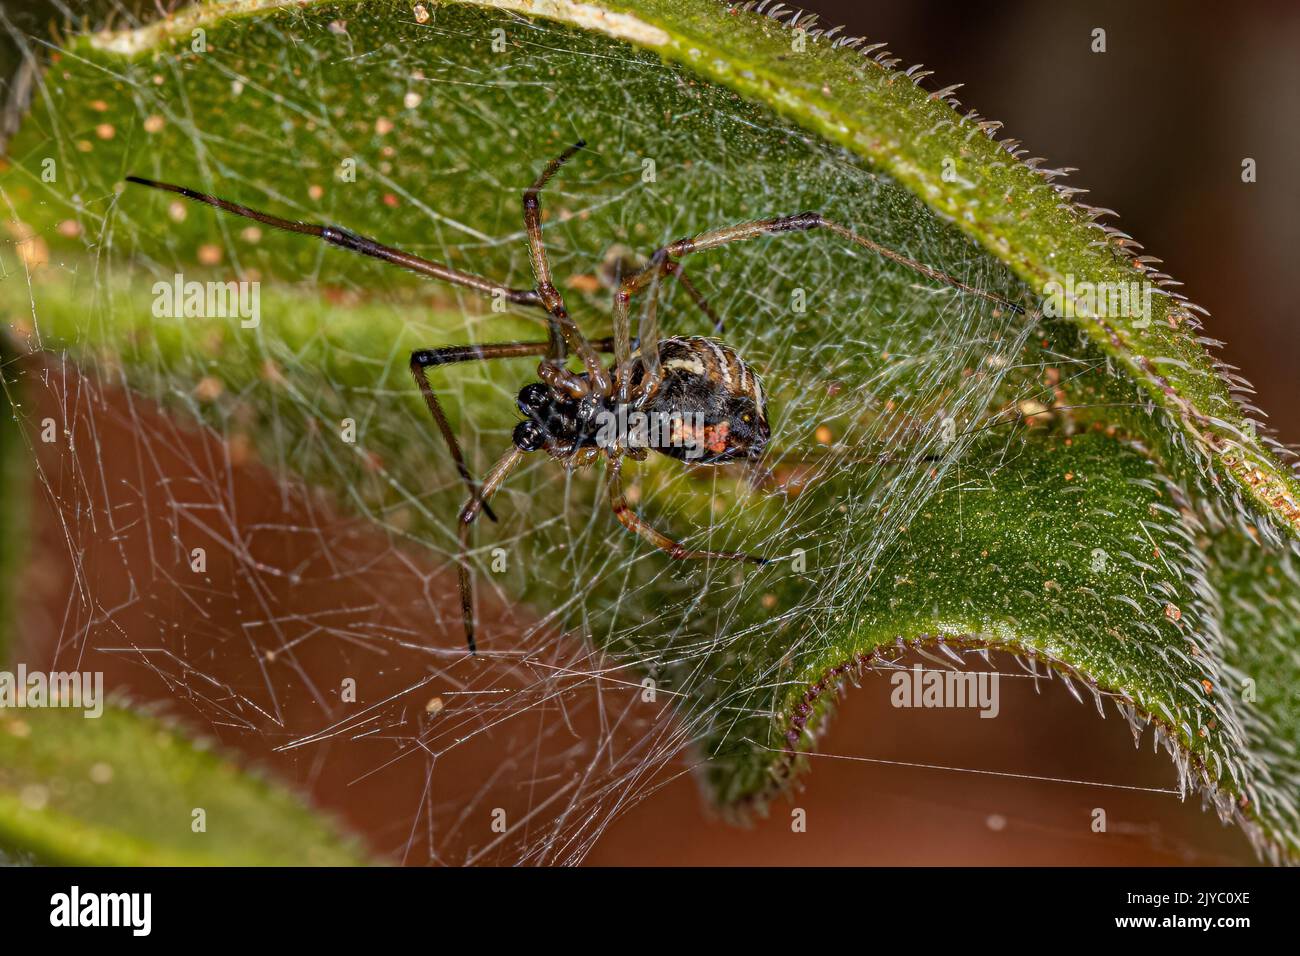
[[718, 398]]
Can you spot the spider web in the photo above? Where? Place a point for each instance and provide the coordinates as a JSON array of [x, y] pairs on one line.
[[329, 561]]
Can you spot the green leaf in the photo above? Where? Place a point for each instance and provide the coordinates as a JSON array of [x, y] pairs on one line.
[[122, 789], [1081, 491]]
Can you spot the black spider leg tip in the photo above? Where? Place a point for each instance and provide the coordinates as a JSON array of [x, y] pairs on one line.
[[181, 190], [564, 157]]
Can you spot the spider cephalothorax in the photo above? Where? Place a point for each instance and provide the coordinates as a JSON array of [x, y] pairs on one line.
[[692, 399]]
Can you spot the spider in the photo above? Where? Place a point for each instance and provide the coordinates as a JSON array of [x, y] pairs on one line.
[[713, 401]]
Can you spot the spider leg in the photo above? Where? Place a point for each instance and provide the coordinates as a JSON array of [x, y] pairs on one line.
[[421, 361], [467, 515], [564, 331], [660, 265], [424, 359], [633, 522], [648, 340], [363, 245], [697, 297], [804, 222], [626, 266], [665, 259]]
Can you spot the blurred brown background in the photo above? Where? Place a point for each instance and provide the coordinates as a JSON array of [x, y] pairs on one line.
[[1158, 126]]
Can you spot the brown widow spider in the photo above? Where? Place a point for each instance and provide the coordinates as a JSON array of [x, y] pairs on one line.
[[671, 379]]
